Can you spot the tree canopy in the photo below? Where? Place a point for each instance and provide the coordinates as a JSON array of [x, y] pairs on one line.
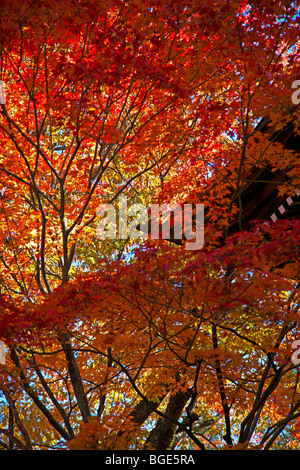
[[145, 344]]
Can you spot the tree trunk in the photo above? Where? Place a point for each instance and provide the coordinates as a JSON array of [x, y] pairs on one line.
[[162, 436]]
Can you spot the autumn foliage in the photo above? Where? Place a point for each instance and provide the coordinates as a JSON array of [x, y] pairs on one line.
[[142, 344]]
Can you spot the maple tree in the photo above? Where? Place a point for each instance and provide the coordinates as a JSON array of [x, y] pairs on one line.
[[122, 344]]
